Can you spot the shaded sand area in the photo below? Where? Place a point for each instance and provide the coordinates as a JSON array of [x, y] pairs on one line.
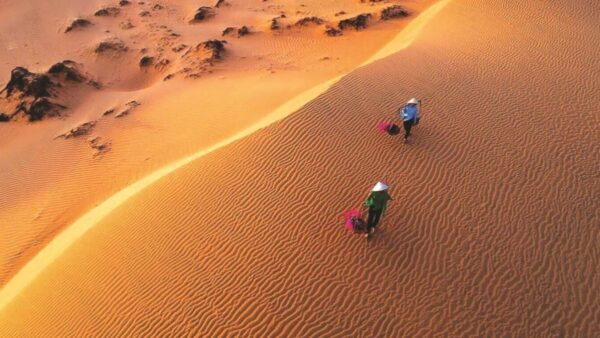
[[494, 227], [141, 117]]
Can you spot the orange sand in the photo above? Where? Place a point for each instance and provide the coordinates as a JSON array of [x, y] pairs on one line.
[[53, 182], [493, 229]]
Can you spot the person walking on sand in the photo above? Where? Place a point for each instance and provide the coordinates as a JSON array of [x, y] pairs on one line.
[[376, 204], [411, 113]]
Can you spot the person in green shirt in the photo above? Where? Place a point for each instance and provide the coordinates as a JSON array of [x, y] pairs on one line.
[[376, 204]]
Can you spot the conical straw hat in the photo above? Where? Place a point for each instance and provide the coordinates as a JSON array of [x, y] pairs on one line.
[[380, 186]]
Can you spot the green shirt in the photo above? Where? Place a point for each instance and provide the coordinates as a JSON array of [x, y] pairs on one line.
[[378, 200]]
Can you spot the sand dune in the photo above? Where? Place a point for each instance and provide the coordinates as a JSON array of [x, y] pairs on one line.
[[51, 182], [493, 229], [74, 231]]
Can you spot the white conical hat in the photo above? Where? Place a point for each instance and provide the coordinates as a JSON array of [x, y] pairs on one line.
[[380, 186], [413, 101]]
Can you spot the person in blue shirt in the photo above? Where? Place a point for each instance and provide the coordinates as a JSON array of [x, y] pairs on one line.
[[410, 115]]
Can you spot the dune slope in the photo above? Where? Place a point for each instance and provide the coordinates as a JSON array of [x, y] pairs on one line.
[[47, 182], [493, 228]]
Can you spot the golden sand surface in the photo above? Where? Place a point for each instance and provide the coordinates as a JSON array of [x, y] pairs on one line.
[[493, 230], [49, 182]]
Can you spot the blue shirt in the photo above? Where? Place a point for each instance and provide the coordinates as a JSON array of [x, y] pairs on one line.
[[410, 112]]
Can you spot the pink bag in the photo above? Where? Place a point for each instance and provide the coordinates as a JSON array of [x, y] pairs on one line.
[[355, 222]]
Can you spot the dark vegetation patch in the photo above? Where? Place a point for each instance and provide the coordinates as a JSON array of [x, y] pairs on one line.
[[332, 31], [67, 69], [202, 14], [358, 22], [243, 31], [30, 93], [309, 20], [28, 83], [394, 12], [227, 31], [39, 108]]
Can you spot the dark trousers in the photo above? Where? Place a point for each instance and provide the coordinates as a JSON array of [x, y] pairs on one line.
[[374, 217], [407, 127]]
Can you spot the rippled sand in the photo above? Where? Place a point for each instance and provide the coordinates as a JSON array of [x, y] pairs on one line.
[[493, 229]]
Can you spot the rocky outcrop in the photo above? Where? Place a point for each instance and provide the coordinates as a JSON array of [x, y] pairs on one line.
[[162, 64], [393, 12], [111, 45], [358, 22], [129, 107], [39, 108], [124, 3], [215, 49], [146, 61], [108, 11], [28, 83], [228, 31], [275, 24], [78, 131], [68, 70], [309, 20], [126, 25], [179, 48], [200, 59], [332, 31], [202, 14], [40, 85], [78, 24], [99, 146], [29, 93], [242, 31], [208, 51]]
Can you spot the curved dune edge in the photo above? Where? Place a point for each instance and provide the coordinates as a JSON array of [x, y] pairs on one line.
[[77, 229], [408, 35]]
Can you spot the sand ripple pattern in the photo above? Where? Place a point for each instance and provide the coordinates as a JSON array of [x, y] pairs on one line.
[[494, 229]]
